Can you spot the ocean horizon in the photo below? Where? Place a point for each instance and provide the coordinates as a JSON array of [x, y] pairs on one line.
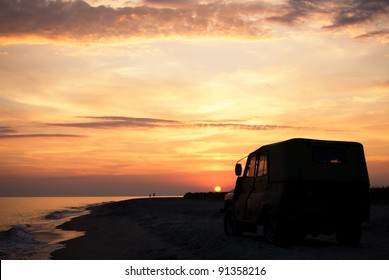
[[28, 225]]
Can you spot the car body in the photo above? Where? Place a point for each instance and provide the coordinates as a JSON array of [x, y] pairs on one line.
[[301, 186]]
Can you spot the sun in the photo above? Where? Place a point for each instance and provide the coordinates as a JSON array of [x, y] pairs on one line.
[[217, 189]]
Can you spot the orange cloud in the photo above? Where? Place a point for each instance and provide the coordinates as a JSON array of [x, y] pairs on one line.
[[7, 132], [77, 20], [119, 122], [41, 135], [380, 35]]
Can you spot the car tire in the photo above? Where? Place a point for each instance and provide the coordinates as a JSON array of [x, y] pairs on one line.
[[232, 226], [272, 229]]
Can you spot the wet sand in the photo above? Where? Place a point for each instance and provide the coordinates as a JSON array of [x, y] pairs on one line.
[[176, 228]]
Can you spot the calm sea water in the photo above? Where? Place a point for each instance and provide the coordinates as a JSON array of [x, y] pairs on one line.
[[28, 224]]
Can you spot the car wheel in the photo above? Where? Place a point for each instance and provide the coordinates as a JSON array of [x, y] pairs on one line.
[[231, 225], [272, 229]]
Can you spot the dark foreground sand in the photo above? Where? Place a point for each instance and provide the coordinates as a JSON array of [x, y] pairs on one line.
[[175, 228]]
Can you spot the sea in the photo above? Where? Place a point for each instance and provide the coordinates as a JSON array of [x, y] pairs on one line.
[[28, 225]]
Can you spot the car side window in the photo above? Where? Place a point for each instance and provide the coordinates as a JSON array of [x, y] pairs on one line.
[[262, 170], [250, 172]]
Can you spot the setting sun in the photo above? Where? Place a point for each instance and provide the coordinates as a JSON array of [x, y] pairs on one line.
[[217, 189]]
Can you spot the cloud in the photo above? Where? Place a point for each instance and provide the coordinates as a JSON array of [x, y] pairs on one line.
[[7, 132], [355, 12], [242, 126], [6, 129], [77, 20], [170, 3], [108, 122], [340, 14], [115, 121], [8, 136], [294, 12], [381, 35]]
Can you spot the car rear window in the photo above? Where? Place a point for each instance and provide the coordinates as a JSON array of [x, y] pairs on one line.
[[329, 155]]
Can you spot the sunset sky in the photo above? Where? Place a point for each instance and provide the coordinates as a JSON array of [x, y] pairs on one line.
[[132, 97]]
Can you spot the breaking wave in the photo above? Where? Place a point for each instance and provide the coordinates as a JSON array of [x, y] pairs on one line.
[[19, 243], [61, 214]]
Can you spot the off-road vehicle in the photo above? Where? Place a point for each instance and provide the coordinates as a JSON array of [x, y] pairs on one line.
[[298, 187]]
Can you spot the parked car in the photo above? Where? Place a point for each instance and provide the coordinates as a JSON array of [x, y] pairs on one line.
[[298, 187]]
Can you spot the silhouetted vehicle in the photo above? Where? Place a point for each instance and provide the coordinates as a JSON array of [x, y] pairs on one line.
[[301, 186]]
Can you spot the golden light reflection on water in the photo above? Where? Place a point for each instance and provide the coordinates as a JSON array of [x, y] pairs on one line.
[[57, 235], [32, 223], [33, 210]]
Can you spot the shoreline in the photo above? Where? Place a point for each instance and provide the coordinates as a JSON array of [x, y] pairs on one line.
[[185, 229], [29, 225], [121, 230]]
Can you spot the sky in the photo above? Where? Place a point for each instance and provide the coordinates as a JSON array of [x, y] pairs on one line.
[[141, 96]]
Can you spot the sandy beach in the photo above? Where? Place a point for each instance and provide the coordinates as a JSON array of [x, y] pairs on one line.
[[176, 228]]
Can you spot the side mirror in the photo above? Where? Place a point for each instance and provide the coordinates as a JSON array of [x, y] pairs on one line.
[[238, 169]]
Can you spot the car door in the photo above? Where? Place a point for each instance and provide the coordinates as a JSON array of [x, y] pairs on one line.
[[246, 184], [259, 187]]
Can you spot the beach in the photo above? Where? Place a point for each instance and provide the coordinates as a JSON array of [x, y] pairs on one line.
[[177, 228]]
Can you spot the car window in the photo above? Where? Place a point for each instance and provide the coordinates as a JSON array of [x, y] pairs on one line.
[[329, 155], [251, 167], [262, 170]]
